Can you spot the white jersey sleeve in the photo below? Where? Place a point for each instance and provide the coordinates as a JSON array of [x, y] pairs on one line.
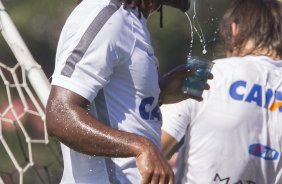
[[175, 119], [89, 49]]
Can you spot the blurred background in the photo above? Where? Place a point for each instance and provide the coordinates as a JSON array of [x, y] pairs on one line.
[[40, 22]]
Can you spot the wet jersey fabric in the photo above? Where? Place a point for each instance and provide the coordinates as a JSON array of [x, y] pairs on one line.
[[234, 135], [104, 54]]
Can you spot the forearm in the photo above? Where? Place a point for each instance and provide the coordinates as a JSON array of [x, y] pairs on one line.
[[170, 87], [75, 127], [170, 98], [168, 143]]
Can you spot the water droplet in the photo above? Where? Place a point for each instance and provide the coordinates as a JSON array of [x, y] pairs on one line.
[[204, 51]]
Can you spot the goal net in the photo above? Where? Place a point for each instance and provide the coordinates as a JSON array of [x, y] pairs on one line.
[[27, 154]]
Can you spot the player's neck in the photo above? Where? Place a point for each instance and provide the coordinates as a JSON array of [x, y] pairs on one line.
[[249, 49]]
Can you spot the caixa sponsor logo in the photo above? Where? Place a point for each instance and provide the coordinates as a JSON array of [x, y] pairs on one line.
[[148, 111], [263, 152], [267, 98]]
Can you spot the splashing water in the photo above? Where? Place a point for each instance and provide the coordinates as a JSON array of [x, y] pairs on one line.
[[200, 32], [192, 36], [193, 26]]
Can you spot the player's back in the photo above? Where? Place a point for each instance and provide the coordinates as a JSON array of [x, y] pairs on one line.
[[235, 134]]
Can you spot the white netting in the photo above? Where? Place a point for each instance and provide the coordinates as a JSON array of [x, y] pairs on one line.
[[27, 155], [22, 129]]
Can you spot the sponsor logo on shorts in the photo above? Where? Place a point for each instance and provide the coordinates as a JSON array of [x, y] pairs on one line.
[[263, 152]]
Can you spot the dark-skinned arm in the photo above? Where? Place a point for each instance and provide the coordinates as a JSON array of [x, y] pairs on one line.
[[171, 84], [69, 121], [168, 143]]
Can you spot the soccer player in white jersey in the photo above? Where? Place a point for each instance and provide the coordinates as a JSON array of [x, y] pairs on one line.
[[234, 136], [104, 101]]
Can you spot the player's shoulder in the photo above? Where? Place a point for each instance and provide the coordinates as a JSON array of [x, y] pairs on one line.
[[98, 14], [230, 64], [228, 61], [106, 19], [245, 60], [224, 66], [247, 67]]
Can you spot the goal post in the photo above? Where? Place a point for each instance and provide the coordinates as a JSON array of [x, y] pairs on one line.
[[25, 156], [35, 74]]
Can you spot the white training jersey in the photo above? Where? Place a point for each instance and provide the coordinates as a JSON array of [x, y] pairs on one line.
[[105, 55], [234, 135]]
